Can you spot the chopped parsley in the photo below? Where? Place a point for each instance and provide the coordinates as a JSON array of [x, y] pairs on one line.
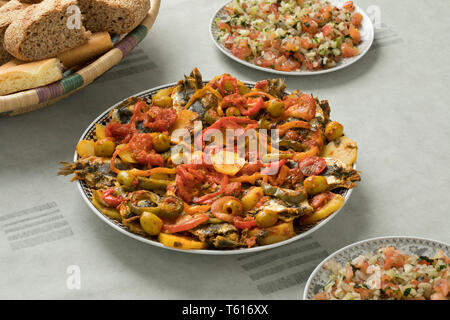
[[407, 292], [424, 258]]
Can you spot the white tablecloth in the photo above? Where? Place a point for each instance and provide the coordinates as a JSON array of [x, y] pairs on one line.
[[393, 102]]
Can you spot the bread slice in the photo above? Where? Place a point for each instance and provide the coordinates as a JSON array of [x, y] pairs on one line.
[[44, 30], [98, 43], [114, 16], [7, 14], [17, 76]]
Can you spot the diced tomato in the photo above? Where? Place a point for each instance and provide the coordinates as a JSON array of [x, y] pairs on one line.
[[395, 260], [348, 50], [244, 223], [442, 286], [363, 292], [326, 30], [321, 296], [354, 33], [348, 273], [349, 6], [286, 64], [242, 50], [186, 222], [326, 13], [305, 43], [224, 26], [357, 19], [274, 9], [309, 25]]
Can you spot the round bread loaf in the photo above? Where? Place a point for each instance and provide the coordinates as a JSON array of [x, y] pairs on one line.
[[44, 30]]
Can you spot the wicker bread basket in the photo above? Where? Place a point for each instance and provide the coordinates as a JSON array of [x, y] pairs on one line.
[[33, 99]]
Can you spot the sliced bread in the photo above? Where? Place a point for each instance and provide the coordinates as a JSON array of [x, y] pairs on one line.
[[44, 30], [115, 16], [17, 76], [98, 43], [8, 13]]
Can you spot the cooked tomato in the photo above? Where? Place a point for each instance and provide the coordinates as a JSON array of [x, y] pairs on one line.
[[118, 131], [111, 199], [312, 166], [185, 222], [140, 146], [244, 223], [321, 199]]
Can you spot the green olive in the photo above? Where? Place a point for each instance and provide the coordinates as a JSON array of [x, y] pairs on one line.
[[232, 112], [265, 219], [333, 130], [315, 184], [264, 124], [125, 178], [233, 206], [228, 86], [243, 89], [104, 147], [161, 142], [211, 116], [275, 108], [151, 223]]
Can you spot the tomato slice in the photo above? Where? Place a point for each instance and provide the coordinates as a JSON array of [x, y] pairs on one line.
[[244, 223], [312, 166], [186, 222]]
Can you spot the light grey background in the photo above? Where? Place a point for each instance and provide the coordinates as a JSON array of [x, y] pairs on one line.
[[393, 102]]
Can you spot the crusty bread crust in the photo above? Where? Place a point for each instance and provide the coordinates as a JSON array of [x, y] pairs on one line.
[[7, 14], [41, 31], [114, 16]]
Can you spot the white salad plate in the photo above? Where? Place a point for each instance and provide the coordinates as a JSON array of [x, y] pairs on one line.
[[86, 193], [367, 36], [409, 245]]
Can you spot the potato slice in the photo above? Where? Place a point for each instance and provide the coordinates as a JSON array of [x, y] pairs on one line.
[[343, 148], [332, 206], [100, 131], [109, 212], [227, 162], [184, 118], [85, 148], [278, 233], [125, 155], [180, 242], [251, 198]]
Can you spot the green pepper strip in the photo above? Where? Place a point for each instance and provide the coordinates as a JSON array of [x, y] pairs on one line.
[[287, 195]]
